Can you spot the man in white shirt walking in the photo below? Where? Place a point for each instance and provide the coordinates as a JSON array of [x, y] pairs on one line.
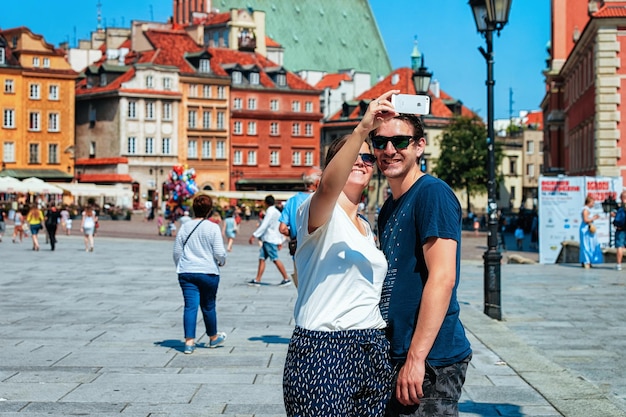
[[272, 241]]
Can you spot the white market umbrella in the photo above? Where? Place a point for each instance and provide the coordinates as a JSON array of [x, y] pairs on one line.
[[12, 185], [38, 186]]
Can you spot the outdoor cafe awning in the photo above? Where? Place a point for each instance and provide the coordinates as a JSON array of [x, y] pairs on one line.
[[85, 189], [29, 185], [250, 195]]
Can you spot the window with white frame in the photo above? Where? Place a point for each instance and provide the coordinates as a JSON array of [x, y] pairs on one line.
[[540, 146], [8, 118], [205, 65], [237, 128], [46, 62], [274, 129], [131, 145], [33, 153], [295, 106], [92, 149], [308, 158], [166, 146], [34, 91], [34, 121], [251, 158], [308, 107], [206, 91], [252, 104], [308, 129], [149, 81], [237, 103], [192, 149], [132, 109], [254, 78], [192, 119], [295, 129], [220, 149], [274, 158], [36, 62], [150, 105], [251, 128], [53, 92], [530, 170], [167, 83], [9, 86], [221, 92], [2, 55], [274, 105], [206, 149], [237, 157], [206, 119], [281, 80], [53, 153], [296, 158], [8, 152], [193, 90], [53, 122], [530, 147], [167, 110], [220, 120], [149, 146], [237, 77]]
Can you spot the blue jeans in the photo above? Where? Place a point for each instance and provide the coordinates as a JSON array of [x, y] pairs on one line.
[[199, 290]]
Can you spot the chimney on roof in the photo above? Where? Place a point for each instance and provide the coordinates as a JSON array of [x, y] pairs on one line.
[[435, 88]]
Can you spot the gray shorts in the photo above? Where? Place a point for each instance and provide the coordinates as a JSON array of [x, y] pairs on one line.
[[442, 390]]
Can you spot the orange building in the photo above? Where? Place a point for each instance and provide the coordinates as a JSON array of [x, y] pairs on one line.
[[37, 104]]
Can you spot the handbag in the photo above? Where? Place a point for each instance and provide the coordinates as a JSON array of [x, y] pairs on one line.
[[293, 245], [592, 228]]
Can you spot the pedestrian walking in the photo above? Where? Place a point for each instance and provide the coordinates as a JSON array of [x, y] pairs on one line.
[[420, 234], [35, 219], [288, 226], [271, 242], [88, 227], [229, 229], [52, 221], [4, 216], [18, 226], [619, 221], [198, 255]]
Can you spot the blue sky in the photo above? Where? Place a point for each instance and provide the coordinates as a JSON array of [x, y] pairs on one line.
[[445, 31]]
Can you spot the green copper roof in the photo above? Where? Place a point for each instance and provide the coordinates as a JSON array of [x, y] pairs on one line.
[[325, 35]]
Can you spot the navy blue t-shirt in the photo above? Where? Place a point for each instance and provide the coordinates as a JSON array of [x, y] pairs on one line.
[[428, 209]]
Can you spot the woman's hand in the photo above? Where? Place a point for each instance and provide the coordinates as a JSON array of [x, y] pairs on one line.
[[379, 110]]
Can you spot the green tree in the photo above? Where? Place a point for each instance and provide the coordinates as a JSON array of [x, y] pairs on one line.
[[464, 156]]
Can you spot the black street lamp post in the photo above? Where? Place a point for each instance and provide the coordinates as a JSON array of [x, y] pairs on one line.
[[608, 206], [490, 16]]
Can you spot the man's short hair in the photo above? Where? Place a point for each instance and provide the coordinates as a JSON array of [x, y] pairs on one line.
[[312, 176]]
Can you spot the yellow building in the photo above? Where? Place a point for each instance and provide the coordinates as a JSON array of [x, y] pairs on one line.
[[37, 103]]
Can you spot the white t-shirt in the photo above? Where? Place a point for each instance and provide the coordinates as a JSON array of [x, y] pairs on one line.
[[340, 275]]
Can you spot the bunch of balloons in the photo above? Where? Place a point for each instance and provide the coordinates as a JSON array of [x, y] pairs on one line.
[[181, 184]]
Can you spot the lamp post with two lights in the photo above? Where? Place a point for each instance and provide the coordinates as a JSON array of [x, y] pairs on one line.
[[491, 16]]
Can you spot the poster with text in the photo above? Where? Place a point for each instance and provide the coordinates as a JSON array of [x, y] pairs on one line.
[[561, 200]]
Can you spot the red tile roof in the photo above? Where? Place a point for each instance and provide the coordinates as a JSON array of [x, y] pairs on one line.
[[332, 80], [404, 83], [81, 86], [221, 56], [105, 178], [102, 161], [613, 9], [215, 18], [269, 42], [170, 48], [535, 118]]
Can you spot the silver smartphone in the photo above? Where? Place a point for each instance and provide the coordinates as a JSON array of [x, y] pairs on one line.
[[411, 103]]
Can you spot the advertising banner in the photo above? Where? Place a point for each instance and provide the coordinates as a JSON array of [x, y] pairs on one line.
[[561, 201]]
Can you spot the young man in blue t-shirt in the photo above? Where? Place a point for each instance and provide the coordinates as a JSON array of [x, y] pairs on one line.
[[420, 234]]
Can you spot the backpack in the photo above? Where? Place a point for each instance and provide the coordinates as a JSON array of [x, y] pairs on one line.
[[620, 218]]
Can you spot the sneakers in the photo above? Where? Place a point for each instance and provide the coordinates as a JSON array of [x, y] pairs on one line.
[[254, 283], [618, 267], [221, 336], [284, 283], [189, 349]]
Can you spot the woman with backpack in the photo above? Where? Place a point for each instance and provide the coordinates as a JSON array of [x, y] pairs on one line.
[[620, 231]]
